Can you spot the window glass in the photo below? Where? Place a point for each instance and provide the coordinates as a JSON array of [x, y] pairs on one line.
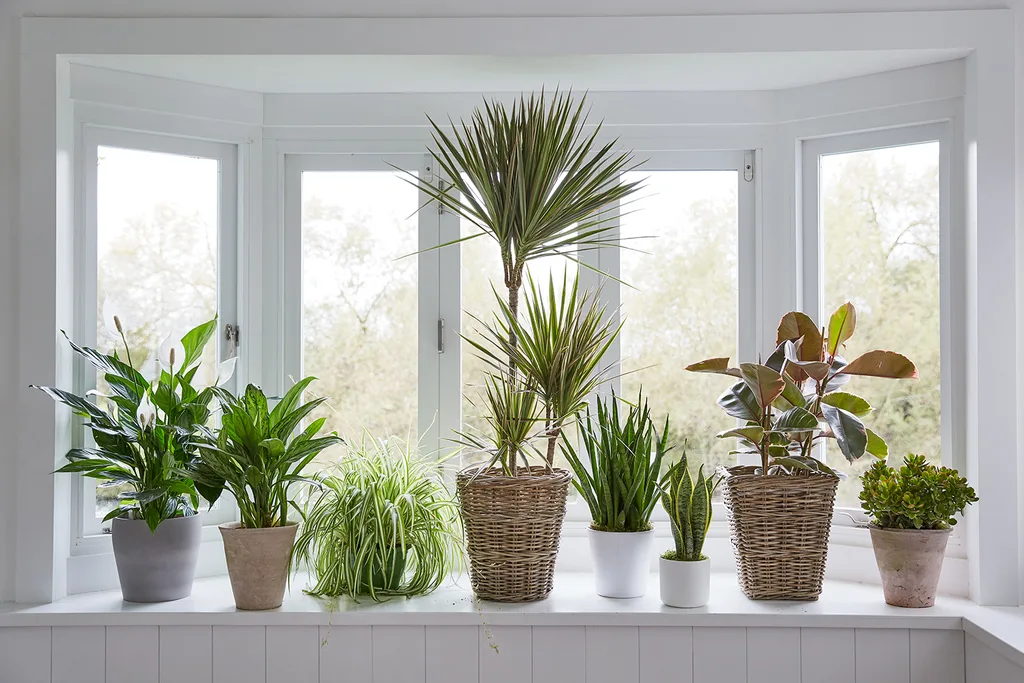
[[359, 299], [156, 250], [880, 232], [680, 301]]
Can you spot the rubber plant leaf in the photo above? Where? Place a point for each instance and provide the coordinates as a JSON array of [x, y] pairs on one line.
[[841, 326], [882, 364], [764, 383], [738, 401], [718, 366], [848, 402], [851, 434]]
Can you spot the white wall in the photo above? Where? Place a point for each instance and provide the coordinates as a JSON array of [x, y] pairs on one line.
[[9, 50]]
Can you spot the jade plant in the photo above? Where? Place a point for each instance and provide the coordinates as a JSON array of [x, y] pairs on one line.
[[620, 480], [918, 495], [688, 504], [796, 398]]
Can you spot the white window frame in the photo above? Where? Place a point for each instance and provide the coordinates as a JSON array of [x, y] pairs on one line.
[[435, 419], [952, 270], [88, 535]]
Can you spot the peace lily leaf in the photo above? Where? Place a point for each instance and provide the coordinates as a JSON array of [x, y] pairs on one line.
[[738, 401], [876, 446], [194, 341], [764, 383], [848, 402], [841, 326], [718, 366], [849, 431], [882, 364], [752, 433]]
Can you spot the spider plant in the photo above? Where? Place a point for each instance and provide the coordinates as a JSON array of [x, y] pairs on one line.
[[141, 437], [621, 483], [256, 453], [533, 179], [383, 524], [559, 349]]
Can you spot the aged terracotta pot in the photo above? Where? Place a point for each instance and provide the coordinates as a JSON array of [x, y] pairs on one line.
[[258, 563], [910, 561]]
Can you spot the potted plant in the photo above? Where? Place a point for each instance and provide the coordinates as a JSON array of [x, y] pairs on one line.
[[620, 487], [257, 454], [685, 573], [141, 445], [382, 523], [913, 510], [533, 178], [781, 510], [537, 384]]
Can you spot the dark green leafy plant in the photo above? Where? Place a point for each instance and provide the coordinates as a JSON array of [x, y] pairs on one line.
[[558, 351], [257, 453], [381, 524], [918, 495], [795, 399], [624, 456], [532, 178], [142, 437], [688, 504]]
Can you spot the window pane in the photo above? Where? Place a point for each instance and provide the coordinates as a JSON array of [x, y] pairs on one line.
[[680, 258], [156, 247], [482, 269], [359, 299], [880, 228]]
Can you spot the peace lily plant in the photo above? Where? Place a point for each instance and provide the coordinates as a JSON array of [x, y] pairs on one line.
[[789, 405], [142, 445]]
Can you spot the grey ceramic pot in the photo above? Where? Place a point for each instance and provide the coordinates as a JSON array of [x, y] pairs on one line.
[[258, 563], [156, 566]]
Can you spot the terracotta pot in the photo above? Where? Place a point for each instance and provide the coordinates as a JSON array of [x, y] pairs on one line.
[[156, 566], [258, 563], [910, 561]]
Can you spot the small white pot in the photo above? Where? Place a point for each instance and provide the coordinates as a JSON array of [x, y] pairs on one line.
[[622, 562], [685, 584]]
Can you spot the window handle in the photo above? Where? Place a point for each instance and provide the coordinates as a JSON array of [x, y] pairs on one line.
[[440, 335]]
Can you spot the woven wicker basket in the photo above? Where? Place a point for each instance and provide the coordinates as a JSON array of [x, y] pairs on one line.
[[780, 527], [513, 525]]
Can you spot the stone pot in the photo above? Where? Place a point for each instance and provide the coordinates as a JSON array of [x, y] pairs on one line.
[[156, 566], [910, 561], [622, 562], [258, 563], [685, 584]]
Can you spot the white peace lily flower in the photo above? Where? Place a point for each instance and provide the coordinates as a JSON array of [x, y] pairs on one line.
[[146, 414], [171, 353], [115, 314], [225, 371]]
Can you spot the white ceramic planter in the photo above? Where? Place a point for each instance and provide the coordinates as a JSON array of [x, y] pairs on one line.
[[685, 584], [622, 562]]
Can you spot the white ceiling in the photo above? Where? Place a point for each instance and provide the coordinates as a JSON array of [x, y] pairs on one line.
[[440, 73]]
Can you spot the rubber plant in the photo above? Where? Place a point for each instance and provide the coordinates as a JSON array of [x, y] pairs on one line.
[[797, 397]]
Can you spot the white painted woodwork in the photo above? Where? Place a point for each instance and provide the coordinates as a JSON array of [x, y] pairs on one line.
[[936, 656], [293, 654], [719, 654], [25, 654], [559, 653], [613, 654], [666, 654], [239, 654], [773, 655], [399, 654], [827, 655], [79, 654], [984, 665], [506, 653], [883, 655], [453, 654], [346, 653], [186, 654], [133, 654]]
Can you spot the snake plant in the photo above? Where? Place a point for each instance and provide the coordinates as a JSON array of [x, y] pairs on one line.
[[688, 504]]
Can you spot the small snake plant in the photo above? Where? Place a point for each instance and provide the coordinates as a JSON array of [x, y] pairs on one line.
[[688, 504]]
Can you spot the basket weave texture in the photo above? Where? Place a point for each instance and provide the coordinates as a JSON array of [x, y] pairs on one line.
[[780, 526], [513, 525]]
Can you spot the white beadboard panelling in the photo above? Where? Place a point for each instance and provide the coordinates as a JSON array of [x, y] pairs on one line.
[[239, 654], [936, 656], [773, 655], [25, 654], [985, 665], [453, 654], [883, 655], [186, 654], [506, 654], [655, 642], [79, 654], [133, 654], [293, 654], [613, 654], [346, 654], [828, 655], [559, 654], [719, 654], [399, 654]]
